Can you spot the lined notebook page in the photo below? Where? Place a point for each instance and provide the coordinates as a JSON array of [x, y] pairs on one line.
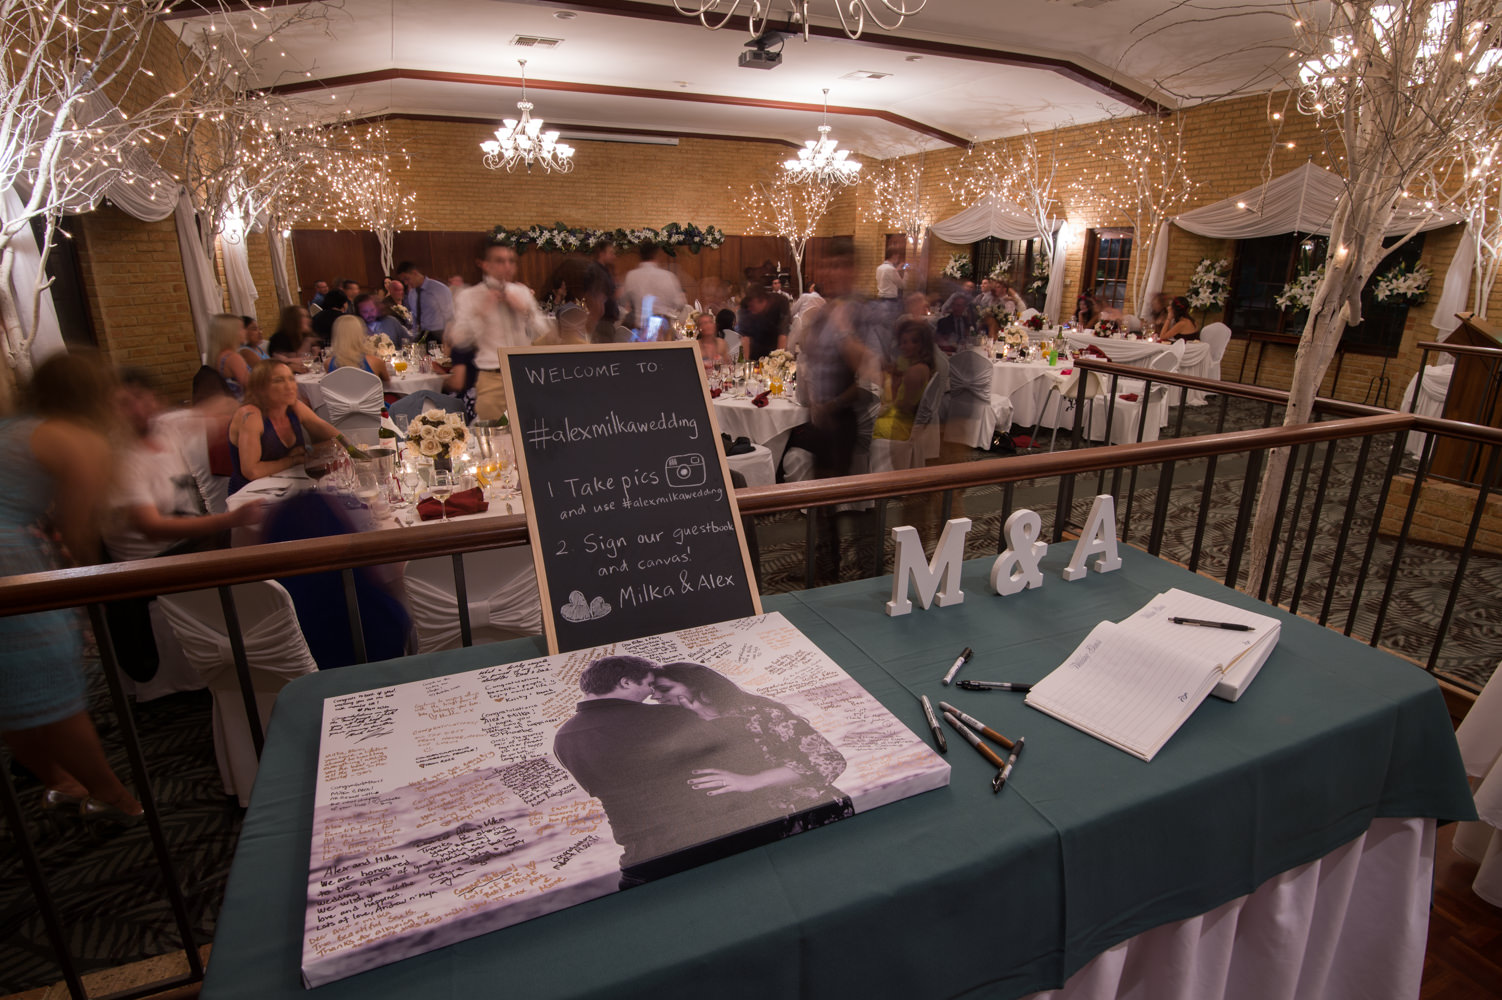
[[1129, 688], [1223, 646]]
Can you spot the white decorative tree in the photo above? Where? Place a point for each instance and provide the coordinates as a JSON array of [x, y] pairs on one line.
[[894, 196], [1480, 199], [1020, 173], [790, 209], [1399, 85], [63, 143]]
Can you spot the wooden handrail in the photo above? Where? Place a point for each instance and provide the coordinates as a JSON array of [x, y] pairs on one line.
[[149, 577], [1494, 353], [1241, 390]]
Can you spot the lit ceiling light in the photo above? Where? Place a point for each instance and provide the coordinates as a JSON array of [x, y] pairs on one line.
[[821, 161], [715, 14], [525, 141]]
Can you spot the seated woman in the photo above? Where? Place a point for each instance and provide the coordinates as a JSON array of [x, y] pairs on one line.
[[251, 346], [294, 335], [711, 347], [1177, 325], [351, 347], [269, 434], [1009, 299], [905, 379], [226, 338], [1086, 312]]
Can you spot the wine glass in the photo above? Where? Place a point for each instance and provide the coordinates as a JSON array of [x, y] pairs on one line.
[[322, 459], [410, 477], [443, 487], [402, 422]]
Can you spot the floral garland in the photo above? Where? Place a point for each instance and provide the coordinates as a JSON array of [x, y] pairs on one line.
[[435, 434], [1403, 285], [574, 239], [1300, 293], [958, 266], [1210, 285]]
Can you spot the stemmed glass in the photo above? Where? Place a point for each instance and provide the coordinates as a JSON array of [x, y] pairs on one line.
[[402, 422], [443, 488], [410, 477]]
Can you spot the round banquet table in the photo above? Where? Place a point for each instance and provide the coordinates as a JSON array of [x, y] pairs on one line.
[[767, 425], [757, 465], [311, 391], [1028, 385]]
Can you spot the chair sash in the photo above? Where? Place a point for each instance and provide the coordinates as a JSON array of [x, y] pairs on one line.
[[513, 606]]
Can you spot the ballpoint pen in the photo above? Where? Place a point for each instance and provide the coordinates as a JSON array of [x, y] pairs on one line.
[[1232, 626], [993, 686]]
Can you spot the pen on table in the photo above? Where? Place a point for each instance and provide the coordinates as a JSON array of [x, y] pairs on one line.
[[1208, 624], [993, 686], [981, 727], [985, 751], [958, 663], [933, 724]]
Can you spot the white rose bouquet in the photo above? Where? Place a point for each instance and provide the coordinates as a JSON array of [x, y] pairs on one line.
[[778, 362], [436, 434], [383, 345]]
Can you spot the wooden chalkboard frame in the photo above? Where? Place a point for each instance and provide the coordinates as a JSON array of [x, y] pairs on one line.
[[533, 528]]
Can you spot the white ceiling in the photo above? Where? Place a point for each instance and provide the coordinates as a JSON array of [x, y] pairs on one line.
[[1133, 45]]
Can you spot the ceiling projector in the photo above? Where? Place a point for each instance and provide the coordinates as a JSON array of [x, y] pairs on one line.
[[758, 54]]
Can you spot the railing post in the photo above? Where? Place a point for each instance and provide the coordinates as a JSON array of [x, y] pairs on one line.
[[242, 668], [461, 598], [352, 608]]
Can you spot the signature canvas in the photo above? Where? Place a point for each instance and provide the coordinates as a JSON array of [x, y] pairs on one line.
[[462, 804]]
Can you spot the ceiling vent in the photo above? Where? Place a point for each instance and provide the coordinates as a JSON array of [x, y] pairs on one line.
[[536, 42], [865, 74]]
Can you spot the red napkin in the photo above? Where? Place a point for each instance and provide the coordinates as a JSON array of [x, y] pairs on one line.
[[715, 393], [1095, 352], [1130, 397], [1067, 371], [470, 501], [761, 399]]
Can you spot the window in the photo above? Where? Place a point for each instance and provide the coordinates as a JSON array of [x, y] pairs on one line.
[[1108, 261], [1017, 259], [1264, 266], [68, 298]]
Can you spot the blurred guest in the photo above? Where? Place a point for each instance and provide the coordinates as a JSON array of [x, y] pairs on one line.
[[1009, 299], [226, 337], [763, 322], [1177, 325], [1086, 312], [569, 326], [320, 289], [957, 326], [55, 467], [602, 256], [986, 298], [352, 349], [393, 304], [269, 434], [319, 598], [1157, 313], [649, 280], [351, 289], [368, 308], [711, 348], [889, 276], [334, 306], [777, 289], [903, 383], [968, 404], [429, 301], [293, 337], [250, 331], [493, 315], [457, 283], [724, 324]]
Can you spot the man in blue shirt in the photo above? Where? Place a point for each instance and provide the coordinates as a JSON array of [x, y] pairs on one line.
[[429, 300]]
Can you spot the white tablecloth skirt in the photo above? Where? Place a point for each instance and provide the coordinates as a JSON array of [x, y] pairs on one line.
[[1350, 926], [1197, 361], [767, 425], [757, 465]]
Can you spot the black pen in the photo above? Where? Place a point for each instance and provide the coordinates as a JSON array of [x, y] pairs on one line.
[[933, 724], [958, 663], [993, 686], [1200, 621]]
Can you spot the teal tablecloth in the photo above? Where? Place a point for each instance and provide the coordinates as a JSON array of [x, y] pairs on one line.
[[956, 892]]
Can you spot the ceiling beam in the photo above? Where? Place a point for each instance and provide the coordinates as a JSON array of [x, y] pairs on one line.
[[566, 127], [974, 53], [486, 80]]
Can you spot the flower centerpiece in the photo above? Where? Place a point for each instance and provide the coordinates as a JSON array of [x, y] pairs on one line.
[[1403, 285], [1298, 294], [777, 365], [1210, 285], [958, 266], [438, 435], [1034, 322], [383, 345]]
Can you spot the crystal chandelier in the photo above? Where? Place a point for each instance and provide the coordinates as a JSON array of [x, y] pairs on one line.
[[853, 13], [525, 142], [820, 161]]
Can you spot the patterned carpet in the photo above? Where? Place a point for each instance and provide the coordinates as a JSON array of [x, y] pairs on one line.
[[109, 889]]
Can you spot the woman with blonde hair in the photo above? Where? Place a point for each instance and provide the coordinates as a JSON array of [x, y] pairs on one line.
[[351, 348], [226, 337], [270, 433]]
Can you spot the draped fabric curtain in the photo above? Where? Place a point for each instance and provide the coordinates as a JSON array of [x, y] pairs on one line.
[[1455, 293], [242, 287], [992, 217], [1300, 201]]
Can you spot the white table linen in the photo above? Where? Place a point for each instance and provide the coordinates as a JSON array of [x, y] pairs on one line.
[[757, 465], [1480, 738], [1197, 358], [767, 425]]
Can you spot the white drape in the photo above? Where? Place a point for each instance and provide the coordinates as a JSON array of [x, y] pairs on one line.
[[988, 217], [242, 287], [1158, 268], [1054, 298], [26, 263], [278, 250], [1455, 294]]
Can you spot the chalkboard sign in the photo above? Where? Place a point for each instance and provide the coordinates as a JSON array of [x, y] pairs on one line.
[[634, 525]]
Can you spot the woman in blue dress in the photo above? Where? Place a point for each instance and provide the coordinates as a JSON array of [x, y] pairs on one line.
[[351, 348], [271, 432], [55, 468]]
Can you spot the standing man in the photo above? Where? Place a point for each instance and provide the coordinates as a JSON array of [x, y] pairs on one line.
[[488, 317], [429, 300], [602, 260], [889, 277], [651, 279]]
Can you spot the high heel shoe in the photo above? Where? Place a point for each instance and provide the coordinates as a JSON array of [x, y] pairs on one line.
[[57, 801], [94, 811]]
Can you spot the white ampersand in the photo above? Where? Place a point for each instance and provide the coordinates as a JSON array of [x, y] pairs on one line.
[[1016, 569]]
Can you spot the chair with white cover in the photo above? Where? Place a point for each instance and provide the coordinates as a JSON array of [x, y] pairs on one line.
[[1217, 337], [1480, 739], [922, 442], [500, 589], [1026, 314], [416, 403], [274, 649], [1433, 389], [352, 401], [1126, 414], [1132, 324]]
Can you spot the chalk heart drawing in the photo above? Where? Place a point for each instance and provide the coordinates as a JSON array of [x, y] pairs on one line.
[[578, 609]]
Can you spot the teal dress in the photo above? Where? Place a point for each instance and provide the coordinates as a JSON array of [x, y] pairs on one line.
[[41, 672]]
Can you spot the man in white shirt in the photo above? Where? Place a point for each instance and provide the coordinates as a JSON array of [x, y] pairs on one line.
[[491, 316], [428, 300], [651, 279], [889, 277]]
